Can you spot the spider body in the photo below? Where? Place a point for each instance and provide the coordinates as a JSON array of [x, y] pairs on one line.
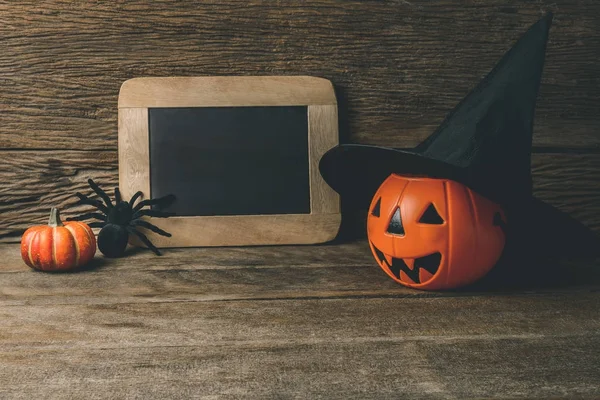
[[112, 240], [120, 214], [121, 219]]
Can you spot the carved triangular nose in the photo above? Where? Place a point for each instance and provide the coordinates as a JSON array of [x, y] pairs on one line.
[[395, 226]]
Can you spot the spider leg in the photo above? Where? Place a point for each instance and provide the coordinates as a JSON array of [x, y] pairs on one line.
[[97, 224], [91, 202], [134, 198], [100, 193], [87, 216], [117, 196], [150, 226], [144, 240], [160, 202], [152, 213]]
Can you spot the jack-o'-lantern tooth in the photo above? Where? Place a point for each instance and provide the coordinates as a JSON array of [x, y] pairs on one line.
[[410, 263], [389, 259], [405, 278], [424, 275]]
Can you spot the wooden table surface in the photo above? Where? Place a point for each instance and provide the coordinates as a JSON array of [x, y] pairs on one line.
[[287, 322]]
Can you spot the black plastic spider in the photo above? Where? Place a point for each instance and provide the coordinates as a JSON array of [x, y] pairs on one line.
[[121, 219]]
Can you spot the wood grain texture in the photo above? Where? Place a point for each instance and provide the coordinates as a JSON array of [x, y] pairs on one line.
[[398, 66], [570, 183], [465, 367], [343, 255], [283, 322], [245, 230], [519, 346], [226, 91], [33, 182], [134, 152], [289, 321], [322, 136], [321, 225], [202, 274], [330, 271]]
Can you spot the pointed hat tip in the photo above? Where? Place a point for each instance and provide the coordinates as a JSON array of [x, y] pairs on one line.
[[547, 19]]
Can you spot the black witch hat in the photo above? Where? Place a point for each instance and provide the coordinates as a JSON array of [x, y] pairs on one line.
[[484, 143]]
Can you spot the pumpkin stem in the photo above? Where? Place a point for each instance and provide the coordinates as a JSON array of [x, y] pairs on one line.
[[54, 220]]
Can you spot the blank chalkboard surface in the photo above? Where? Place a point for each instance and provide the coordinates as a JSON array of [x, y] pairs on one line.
[[230, 160], [240, 154]]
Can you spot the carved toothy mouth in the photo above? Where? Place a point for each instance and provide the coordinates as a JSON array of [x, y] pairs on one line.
[[416, 275]]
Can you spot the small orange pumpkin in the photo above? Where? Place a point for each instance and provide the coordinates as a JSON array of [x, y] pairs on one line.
[[58, 247], [433, 234]]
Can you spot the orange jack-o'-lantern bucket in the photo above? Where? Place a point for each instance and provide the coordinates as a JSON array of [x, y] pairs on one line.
[[434, 233]]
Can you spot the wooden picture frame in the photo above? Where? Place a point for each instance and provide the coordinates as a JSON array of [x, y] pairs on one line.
[[138, 95]]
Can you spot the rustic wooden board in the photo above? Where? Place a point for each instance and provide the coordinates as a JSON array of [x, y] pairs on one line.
[[33, 181], [539, 346], [398, 66], [319, 222], [531, 366], [291, 322], [334, 254], [244, 273], [284, 322]]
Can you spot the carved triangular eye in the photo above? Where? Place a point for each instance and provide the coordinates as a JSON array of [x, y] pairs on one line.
[[431, 216], [395, 226], [377, 208]]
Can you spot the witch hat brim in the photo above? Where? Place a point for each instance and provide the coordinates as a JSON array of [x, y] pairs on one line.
[[546, 230], [356, 171]]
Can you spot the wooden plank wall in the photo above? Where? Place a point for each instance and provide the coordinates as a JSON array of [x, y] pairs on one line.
[[398, 67]]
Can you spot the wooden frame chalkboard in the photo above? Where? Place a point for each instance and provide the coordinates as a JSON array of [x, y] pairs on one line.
[[143, 101]]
